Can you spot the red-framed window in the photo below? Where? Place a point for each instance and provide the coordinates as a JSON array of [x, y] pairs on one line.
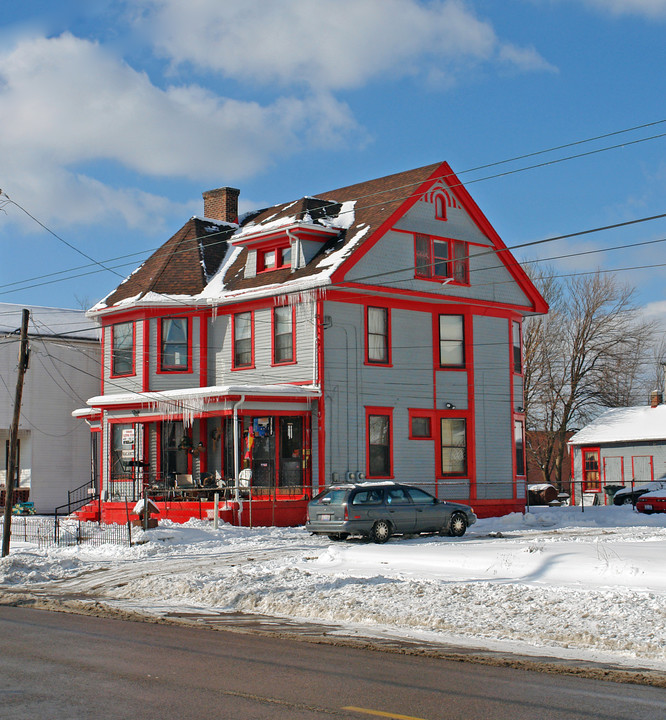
[[517, 346], [420, 425], [284, 337], [175, 343], [441, 259], [519, 446], [379, 442], [273, 258], [452, 341], [453, 446], [122, 349], [440, 207], [378, 336], [243, 340], [591, 470]]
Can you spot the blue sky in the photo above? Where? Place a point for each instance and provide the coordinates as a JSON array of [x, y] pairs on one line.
[[116, 116]]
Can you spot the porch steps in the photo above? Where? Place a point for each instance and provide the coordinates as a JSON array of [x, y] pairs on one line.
[[89, 512]]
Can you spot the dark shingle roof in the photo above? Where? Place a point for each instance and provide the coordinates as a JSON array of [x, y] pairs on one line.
[[182, 266]]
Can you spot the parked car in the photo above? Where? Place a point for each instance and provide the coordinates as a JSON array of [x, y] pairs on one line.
[[628, 495], [380, 510], [652, 502]]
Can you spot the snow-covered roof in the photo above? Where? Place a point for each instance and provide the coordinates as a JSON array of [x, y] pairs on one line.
[[48, 322], [629, 424]]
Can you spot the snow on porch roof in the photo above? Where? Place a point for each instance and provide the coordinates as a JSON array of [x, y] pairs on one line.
[[184, 397], [628, 424]]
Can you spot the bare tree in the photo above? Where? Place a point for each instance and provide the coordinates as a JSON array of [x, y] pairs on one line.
[[584, 356]]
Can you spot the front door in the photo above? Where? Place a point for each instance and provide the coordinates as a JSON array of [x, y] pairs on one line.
[[291, 455], [591, 474]]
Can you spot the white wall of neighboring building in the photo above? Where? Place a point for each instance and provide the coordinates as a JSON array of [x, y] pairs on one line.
[[63, 373]]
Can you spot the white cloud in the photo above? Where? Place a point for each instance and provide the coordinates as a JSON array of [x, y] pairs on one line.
[[648, 8], [66, 103], [332, 44]]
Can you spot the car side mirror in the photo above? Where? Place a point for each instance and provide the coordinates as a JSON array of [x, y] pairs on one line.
[[435, 501]]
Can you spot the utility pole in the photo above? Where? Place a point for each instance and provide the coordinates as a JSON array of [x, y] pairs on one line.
[[13, 433]]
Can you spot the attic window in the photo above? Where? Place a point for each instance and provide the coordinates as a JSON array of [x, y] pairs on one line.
[[441, 259], [440, 207], [273, 259]]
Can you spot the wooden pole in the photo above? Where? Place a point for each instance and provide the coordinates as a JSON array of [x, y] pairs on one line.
[[13, 434]]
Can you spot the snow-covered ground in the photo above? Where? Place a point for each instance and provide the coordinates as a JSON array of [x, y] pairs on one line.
[[554, 582]]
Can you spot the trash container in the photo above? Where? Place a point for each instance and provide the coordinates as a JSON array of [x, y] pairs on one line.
[[610, 491]]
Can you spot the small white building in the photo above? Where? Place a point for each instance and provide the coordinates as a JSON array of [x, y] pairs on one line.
[[64, 370], [623, 446]]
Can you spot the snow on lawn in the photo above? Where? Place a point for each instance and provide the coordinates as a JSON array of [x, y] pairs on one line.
[[556, 581]]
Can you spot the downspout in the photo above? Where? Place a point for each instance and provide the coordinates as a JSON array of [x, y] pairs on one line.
[[296, 256], [236, 469]]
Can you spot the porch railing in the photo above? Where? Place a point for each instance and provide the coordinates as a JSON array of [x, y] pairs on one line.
[[77, 498]]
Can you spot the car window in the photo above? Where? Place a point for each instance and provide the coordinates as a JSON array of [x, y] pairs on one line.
[[420, 497], [368, 497], [332, 497], [397, 495]]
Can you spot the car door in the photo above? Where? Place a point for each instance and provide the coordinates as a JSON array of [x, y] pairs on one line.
[[400, 510], [429, 515]]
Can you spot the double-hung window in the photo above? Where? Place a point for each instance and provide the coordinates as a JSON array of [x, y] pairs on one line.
[[379, 443], [283, 335], [122, 349], [243, 340], [441, 259], [519, 442], [451, 341], [517, 347], [175, 335], [454, 446], [377, 331]]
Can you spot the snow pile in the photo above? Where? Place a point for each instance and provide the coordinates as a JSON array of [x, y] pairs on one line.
[[557, 581]]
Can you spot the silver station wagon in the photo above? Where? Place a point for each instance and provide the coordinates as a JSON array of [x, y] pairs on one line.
[[380, 510]]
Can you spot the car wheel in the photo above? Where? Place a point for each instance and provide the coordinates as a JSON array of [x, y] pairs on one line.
[[338, 536], [628, 501], [457, 525], [381, 531]]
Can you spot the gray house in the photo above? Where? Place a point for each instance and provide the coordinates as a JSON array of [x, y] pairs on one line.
[[54, 452], [622, 447], [371, 332]]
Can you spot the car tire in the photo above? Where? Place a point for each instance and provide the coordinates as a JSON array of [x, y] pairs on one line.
[[338, 537], [457, 525], [628, 501], [381, 532]]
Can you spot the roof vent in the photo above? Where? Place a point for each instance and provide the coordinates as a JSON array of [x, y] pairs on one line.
[[221, 204]]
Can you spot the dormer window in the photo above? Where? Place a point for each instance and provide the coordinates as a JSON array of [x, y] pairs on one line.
[[273, 258]]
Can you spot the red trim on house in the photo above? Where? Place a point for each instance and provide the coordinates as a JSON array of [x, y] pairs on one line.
[[233, 315], [389, 339], [203, 349], [145, 381], [160, 369], [293, 361], [382, 411], [280, 264], [321, 402], [103, 344]]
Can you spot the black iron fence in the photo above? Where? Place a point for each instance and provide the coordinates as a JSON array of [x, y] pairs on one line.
[[48, 532]]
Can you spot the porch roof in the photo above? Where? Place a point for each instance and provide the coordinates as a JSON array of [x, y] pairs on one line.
[[181, 398]]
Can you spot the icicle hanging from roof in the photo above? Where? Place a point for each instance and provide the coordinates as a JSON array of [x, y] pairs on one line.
[[302, 297], [187, 406]]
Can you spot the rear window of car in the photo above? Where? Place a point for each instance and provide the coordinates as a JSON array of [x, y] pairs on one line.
[[368, 497], [332, 497]]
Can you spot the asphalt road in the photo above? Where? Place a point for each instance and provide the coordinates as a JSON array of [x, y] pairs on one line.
[[58, 666]]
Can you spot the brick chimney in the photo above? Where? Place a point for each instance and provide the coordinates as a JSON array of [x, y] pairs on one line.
[[221, 204]]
